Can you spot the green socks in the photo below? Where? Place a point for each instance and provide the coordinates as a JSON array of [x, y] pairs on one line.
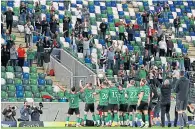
[[115, 117], [109, 117], [67, 119], [98, 119], [130, 117], [85, 117], [146, 118]]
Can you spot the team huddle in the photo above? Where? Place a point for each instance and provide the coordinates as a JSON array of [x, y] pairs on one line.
[[117, 105]]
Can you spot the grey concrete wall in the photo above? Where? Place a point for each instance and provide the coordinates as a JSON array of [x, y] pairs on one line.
[[50, 110]]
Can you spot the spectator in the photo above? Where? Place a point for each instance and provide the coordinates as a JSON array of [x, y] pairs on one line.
[[150, 38], [40, 52], [108, 41], [74, 42], [13, 55], [25, 112], [9, 19], [47, 43], [44, 25], [192, 24], [85, 26], [166, 6], [66, 4], [191, 112], [193, 66], [46, 59], [78, 29], [66, 23], [187, 63], [182, 94], [86, 46], [38, 26], [130, 33], [160, 33], [28, 33], [121, 28], [37, 9], [53, 26], [30, 55], [126, 57], [162, 47], [23, 12], [5, 55], [110, 57], [21, 55], [52, 11], [181, 62], [146, 58], [78, 14], [2, 22], [155, 21], [103, 28], [154, 46], [142, 73], [145, 17], [9, 113], [158, 10], [176, 23], [170, 47]]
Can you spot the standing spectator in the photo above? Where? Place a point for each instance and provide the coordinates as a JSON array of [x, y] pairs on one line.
[[146, 59], [66, 23], [52, 11], [187, 63], [109, 41], [110, 57], [103, 28], [145, 17], [66, 4], [28, 33], [13, 55], [192, 24], [38, 26], [154, 46], [46, 59], [21, 55], [2, 22], [37, 9], [5, 55], [162, 47], [85, 26], [121, 28], [23, 12], [47, 43], [126, 57], [160, 33], [142, 73], [176, 23], [150, 38], [155, 21], [170, 47], [40, 52], [78, 14], [53, 26], [130, 33], [9, 19], [158, 10], [30, 55], [181, 62], [74, 42], [44, 25], [86, 46], [182, 94]]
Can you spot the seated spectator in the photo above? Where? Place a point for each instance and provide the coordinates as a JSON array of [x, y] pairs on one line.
[[103, 28], [21, 55], [9, 19], [5, 55], [23, 12], [13, 55], [78, 14], [30, 55], [66, 23], [44, 25], [85, 27]]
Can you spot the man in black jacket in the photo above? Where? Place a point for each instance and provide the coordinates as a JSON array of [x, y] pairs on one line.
[[145, 17], [46, 59], [53, 26], [9, 19], [44, 25], [176, 23], [66, 23], [103, 27], [40, 52], [187, 63], [182, 94], [9, 113]]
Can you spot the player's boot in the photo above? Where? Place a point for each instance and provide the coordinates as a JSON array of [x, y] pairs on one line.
[[142, 124], [146, 125], [136, 124], [169, 124]]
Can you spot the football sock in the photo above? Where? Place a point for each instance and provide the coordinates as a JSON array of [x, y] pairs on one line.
[[85, 118], [98, 119], [67, 120], [116, 116], [181, 121], [185, 117]]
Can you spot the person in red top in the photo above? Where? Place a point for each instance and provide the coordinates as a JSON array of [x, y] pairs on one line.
[[150, 35], [21, 55]]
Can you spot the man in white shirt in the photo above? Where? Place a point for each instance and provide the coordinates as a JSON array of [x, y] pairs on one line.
[[28, 33], [162, 47], [78, 14]]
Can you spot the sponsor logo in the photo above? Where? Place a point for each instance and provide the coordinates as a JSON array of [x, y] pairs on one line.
[[31, 124], [8, 124]]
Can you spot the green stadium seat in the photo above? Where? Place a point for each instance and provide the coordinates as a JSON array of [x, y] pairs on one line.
[[11, 94], [34, 88], [27, 88], [49, 89], [28, 94], [33, 69], [9, 69], [54, 100], [18, 75], [38, 100], [49, 82], [2, 69], [37, 95], [18, 69], [12, 99], [25, 82], [11, 88], [61, 94], [9, 81], [41, 88], [21, 99], [17, 81], [3, 75], [33, 82], [33, 76], [4, 95], [3, 87]]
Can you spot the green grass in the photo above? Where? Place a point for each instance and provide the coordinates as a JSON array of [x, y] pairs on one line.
[[92, 128]]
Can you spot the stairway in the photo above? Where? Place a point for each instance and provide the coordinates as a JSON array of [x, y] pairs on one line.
[[20, 40]]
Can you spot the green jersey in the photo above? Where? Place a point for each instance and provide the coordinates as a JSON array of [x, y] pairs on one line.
[[89, 97], [146, 90], [113, 95], [103, 96], [132, 93], [122, 97], [73, 99]]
